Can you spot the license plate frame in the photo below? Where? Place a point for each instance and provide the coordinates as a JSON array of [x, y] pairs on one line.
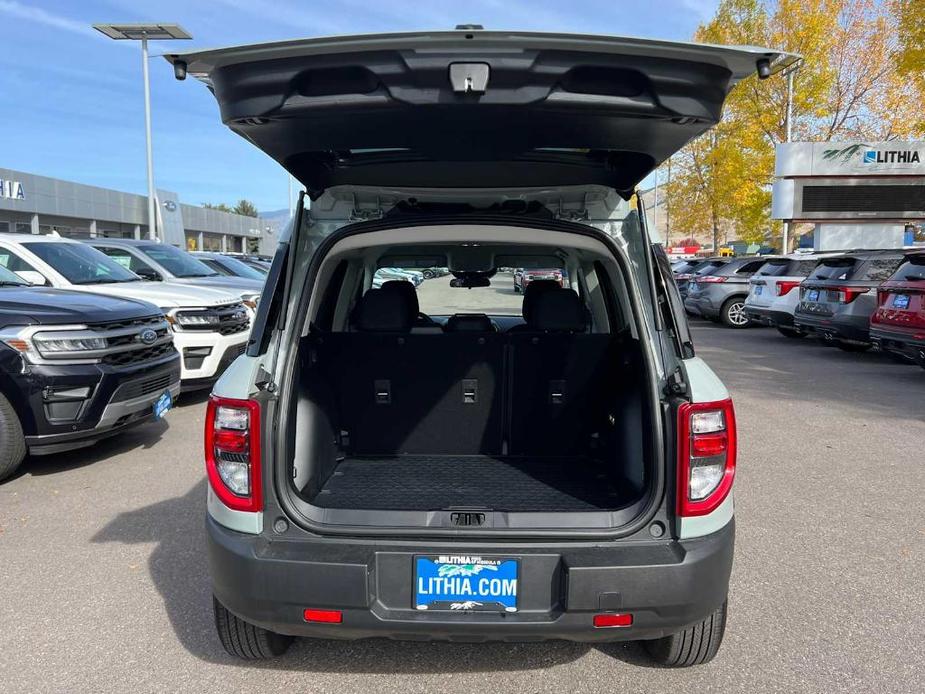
[[488, 580], [759, 290], [812, 295], [900, 301]]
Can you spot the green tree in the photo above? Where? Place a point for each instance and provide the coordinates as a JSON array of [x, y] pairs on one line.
[[221, 207], [246, 208]]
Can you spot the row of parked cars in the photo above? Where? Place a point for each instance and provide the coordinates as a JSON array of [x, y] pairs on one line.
[[100, 335], [855, 300]]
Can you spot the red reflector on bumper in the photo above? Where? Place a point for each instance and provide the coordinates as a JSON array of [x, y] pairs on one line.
[[324, 616], [613, 620]]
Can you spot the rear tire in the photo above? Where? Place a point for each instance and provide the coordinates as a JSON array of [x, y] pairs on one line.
[[12, 441], [790, 332], [244, 640], [695, 645], [851, 347], [733, 313]]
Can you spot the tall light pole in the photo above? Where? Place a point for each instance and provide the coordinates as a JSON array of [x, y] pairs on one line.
[[144, 33], [788, 130]]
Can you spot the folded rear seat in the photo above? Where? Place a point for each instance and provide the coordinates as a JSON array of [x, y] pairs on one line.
[[400, 392], [560, 377]]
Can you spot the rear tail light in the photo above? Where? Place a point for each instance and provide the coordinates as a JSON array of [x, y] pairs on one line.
[[785, 286], [706, 455], [323, 616], [845, 295], [711, 279], [602, 621], [232, 440]]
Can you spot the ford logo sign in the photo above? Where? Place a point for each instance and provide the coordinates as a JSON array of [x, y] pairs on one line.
[[170, 206], [149, 337]]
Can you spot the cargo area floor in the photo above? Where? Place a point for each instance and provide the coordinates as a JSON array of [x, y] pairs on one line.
[[417, 482]]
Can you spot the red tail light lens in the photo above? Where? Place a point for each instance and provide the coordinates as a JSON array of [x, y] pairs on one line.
[[323, 616], [613, 620], [785, 286], [711, 279], [845, 295], [232, 440], [706, 456]]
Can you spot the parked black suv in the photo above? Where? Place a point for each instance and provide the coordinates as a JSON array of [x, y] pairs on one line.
[[76, 367]]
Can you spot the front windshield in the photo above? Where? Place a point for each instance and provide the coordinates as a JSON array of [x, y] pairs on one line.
[[178, 263], [7, 277], [81, 264], [240, 269]]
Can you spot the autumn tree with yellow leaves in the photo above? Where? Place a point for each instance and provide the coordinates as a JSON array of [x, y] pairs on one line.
[[863, 77]]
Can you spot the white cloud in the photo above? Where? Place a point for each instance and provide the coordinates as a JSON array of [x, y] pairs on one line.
[[40, 16]]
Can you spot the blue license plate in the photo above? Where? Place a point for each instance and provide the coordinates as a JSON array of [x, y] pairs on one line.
[[812, 295], [465, 583], [901, 301], [162, 404], [758, 290]]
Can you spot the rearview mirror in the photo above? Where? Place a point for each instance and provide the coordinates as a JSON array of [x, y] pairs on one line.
[[471, 280], [32, 277]]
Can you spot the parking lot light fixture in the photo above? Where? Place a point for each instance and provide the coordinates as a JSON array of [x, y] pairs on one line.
[[144, 33]]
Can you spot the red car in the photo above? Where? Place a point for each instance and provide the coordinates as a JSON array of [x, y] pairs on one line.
[[523, 278], [898, 324]]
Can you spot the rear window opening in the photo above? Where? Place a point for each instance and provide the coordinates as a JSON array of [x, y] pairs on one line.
[[506, 390]]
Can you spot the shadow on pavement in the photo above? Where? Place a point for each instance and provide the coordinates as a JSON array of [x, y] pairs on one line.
[[143, 436], [179, 570]]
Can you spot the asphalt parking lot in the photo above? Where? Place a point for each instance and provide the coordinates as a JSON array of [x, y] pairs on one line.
[[105, 583]]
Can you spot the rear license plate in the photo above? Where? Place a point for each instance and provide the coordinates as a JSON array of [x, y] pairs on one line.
[[466, 583], [162, 404], [758, 290], [812, 295], [901, 301]]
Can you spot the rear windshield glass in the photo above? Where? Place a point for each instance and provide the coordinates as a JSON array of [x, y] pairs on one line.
[[834, 269], [879, 269], [685, 268], [439, 295], [913, 270], [712, 266], [787, 268]]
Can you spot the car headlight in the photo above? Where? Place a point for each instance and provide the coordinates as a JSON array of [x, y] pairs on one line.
[[47, 345], [197, 320]]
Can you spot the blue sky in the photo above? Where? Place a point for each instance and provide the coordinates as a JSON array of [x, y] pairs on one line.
[[72, 103]]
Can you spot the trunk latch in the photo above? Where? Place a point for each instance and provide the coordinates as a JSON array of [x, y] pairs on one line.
[[468, 78], [467, 518]]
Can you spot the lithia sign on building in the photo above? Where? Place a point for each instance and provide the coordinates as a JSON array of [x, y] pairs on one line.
[[12, 190]]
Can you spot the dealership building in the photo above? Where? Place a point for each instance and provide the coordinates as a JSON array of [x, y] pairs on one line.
[[855, 194], [31, 204]]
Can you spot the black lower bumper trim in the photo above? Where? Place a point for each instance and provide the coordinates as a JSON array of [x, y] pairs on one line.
[[666, 586]]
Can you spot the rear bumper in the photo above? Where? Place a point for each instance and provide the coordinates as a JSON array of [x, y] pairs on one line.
[[701, 305], [667, 586], [855, 328], [769, 316], [900, 343]]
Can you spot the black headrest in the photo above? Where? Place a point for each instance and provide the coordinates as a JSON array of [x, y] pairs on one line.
[[534, 289], [469, 323], [407, 289], [558, 311], [382, 311]]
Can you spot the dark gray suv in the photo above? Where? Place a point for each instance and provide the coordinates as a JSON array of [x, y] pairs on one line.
[[718, 290]]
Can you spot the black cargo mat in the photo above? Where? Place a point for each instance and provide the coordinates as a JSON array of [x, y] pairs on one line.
[[415, 482]]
